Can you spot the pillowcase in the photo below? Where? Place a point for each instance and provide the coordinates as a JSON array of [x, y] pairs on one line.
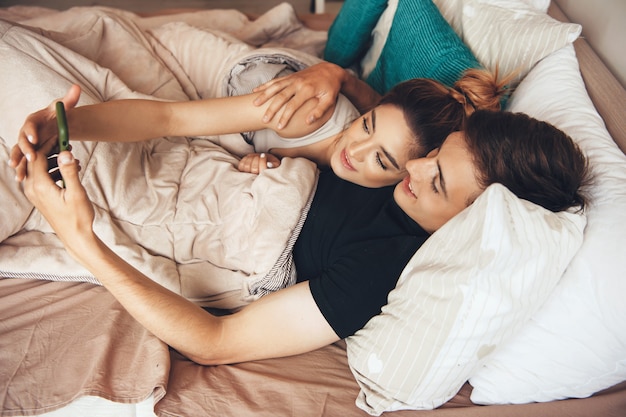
[[419, 44], [511, 34], [452, 10], [575, 345], [379, 37], [454, 304]]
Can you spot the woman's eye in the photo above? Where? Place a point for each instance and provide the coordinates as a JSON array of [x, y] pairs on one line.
[[365, 125], [380, 163]]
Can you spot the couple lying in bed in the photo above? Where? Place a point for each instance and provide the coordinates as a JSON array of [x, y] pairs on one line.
[[355, 241]]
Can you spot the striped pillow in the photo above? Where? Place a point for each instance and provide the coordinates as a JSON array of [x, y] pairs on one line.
[[512, 34], [456, 303]]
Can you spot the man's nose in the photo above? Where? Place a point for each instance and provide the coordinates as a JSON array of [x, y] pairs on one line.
[[420, 168]]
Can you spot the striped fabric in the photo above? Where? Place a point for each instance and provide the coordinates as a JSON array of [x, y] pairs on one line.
[[512, 34], [455, 303], [283, 273]]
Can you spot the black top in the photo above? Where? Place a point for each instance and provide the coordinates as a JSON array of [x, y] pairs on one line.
[[352, 248]]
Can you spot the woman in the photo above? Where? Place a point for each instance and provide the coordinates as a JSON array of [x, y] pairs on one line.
[[340, 279], [353, 149]]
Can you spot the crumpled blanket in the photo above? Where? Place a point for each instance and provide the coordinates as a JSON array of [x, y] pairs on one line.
[[175, 208]]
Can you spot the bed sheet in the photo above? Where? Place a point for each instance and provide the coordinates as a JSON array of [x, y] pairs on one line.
[[60, 329]]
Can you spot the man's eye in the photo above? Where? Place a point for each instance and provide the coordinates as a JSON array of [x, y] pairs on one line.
[[433, 186], [365, 128]]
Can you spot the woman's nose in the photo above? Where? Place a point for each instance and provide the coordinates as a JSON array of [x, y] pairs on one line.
[[358, 149]]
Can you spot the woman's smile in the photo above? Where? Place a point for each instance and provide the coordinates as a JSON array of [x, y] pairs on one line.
[[345, 160]]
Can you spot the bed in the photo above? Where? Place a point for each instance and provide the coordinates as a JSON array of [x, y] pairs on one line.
[[68, 348]]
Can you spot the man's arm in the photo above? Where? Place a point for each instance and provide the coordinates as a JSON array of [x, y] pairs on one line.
[[284, 323], [287, 322]]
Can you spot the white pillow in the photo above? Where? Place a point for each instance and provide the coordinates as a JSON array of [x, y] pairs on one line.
[[468, 289], [452, 10], [513, 38], [379, 38], [512, 34], [576, 344]]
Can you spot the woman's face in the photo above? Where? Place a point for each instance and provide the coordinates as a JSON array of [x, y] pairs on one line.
[[374, 150], [439, 185]]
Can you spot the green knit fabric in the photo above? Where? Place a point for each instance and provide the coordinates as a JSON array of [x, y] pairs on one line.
[[420, 44], [350, 35]]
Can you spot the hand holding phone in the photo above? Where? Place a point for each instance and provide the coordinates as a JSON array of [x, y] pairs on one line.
[[64, 134]]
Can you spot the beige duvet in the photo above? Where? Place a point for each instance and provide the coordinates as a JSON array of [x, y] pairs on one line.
[[176, 208]]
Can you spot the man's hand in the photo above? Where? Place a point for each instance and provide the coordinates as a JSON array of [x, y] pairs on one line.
[[68, 210], [322, 81]]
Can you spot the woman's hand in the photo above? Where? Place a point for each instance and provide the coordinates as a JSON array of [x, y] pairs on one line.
[[68, 210], [256, 163], [38, 129], [322, 81]]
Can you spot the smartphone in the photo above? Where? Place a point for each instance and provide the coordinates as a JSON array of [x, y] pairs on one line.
[[64, 134]]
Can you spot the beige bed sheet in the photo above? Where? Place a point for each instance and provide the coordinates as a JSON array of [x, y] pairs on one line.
[[63, 340]]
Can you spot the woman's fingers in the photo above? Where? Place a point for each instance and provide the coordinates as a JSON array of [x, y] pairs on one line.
[[28, 138], [71, 97], [38, 128], [255, 163], [266, 161]]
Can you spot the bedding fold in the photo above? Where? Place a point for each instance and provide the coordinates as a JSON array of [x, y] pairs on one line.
[[175, 208]]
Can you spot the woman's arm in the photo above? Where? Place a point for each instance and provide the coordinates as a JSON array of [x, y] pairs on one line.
[[233, 115], [138, 120], [323, 81], [284, 323]]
